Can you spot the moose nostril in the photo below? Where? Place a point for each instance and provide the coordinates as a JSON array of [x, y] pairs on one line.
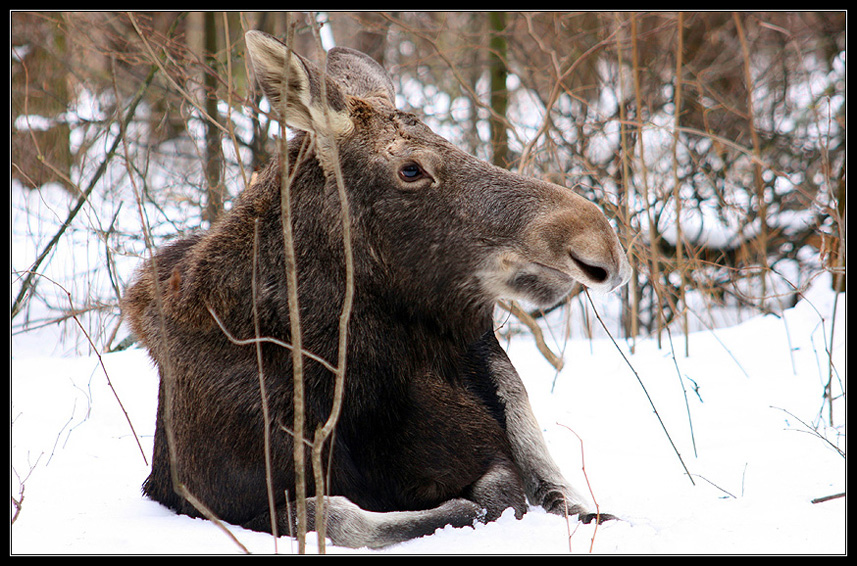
[[597, 274]]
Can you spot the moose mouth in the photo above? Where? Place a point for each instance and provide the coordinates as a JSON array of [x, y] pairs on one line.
[[511, 276], [539, 284]]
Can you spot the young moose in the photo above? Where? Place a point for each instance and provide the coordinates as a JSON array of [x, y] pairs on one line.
[[435, 427]]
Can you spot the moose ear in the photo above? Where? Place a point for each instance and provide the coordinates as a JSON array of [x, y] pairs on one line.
[[293, 86], [360, 75]]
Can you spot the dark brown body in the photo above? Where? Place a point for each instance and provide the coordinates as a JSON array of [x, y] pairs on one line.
[[434, 418]]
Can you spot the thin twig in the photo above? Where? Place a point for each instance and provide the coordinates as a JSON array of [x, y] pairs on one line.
[[812, 430], [190, 99], [183, 491], [519, 313], [299, 454], [679, 246], [259, 339], [762, 236], [683, 388], [828, 497], [103, 368], [625, 211], [568, 524], [18, 503], [263, 394], [30, 281], [640, 381], [324, 432], [705, 479], [165, 364], [719, 341], [589, 486], [654, 237]]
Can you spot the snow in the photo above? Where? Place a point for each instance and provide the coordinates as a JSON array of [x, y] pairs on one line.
[[748, 397]]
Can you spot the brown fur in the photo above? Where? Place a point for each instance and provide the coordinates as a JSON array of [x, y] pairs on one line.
[[427, 422]]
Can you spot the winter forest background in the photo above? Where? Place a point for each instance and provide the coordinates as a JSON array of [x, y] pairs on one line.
[[731, 205], [714, 141]]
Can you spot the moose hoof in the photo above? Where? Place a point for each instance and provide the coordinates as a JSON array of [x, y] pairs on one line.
[[557, 502], [587, 518]]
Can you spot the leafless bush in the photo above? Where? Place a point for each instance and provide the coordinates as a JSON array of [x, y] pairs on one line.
[[717, 203]]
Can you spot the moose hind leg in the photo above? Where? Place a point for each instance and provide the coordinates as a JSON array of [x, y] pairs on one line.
[[350, 526], [500, 488]]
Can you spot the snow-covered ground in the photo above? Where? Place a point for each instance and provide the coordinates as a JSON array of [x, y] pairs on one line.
[[742, 410]]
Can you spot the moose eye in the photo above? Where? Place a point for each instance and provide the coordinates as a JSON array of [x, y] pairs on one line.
[[411, 172]]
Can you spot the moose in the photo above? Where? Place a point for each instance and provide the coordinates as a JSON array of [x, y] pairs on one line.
[[435, 427]]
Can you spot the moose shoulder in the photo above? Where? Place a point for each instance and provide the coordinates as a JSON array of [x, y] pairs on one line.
[[435, 427]]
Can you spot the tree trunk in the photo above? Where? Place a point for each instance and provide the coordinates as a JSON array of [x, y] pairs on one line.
[[499, 95], [213, 149]]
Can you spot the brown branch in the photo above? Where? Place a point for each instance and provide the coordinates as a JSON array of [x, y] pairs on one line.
[[103, 368], [266, 425], [828, 497], [754, 136], [166, 367], [323, 433], [653, 229], [299, 454], [680, 266], [530, 322], [589, 486], [261, 339], [160, 65]]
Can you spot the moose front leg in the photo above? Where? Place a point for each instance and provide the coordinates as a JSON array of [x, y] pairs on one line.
[[544, 483]]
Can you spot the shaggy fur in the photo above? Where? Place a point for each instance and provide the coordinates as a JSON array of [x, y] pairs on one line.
[[436, 428]]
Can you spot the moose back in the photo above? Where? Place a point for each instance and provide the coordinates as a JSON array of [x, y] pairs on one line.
[[435, 427]]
